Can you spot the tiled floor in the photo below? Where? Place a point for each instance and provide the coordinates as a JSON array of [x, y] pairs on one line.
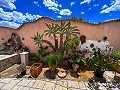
[[45, 84]]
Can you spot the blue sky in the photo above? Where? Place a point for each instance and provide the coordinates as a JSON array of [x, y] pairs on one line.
[[15, 12]]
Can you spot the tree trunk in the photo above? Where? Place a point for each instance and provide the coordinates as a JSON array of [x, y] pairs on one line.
[[49, 43], [61, 41], [56, 42]]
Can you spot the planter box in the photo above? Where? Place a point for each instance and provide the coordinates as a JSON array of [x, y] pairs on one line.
[[36, 69]]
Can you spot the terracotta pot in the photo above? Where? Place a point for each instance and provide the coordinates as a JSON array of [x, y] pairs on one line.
[[36, 69]]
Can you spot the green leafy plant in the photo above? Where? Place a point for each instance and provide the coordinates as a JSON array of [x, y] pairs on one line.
[[41, 52], [52, 61], [38, 39], [71, 43], [98, 60], [115, 55], [21, 68]]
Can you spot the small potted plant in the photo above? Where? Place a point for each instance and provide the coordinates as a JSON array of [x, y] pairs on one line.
[[36, 69], [21, 71], [52, 61], [99, 63]]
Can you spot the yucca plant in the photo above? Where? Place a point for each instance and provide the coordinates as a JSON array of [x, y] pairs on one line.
[[38, 39], [52, 61]]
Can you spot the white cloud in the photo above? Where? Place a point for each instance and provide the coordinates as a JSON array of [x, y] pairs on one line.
[[9, 24], [105, 6], [115, 6], [89, 9], [36, 3], [95, 5], [59, 16], [72, 3], [65, 12], [60, 5], [82, 12], [85, 1], [54, 8], [15, 18], [52, 5], [8, 4]]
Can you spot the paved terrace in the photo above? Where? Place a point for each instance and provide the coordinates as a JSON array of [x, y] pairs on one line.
[[45, 84], [86, 81]]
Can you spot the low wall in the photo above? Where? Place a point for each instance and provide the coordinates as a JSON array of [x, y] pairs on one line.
[[110, 29], [7, 61]]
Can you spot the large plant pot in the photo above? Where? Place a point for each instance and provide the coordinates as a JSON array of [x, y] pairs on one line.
[[36, 69], [99, 72]]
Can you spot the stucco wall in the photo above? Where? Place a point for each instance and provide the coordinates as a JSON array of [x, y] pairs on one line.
[[91, 31]]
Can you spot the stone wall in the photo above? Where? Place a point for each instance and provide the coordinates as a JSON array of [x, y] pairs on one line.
[[110, 29], [8, 60]]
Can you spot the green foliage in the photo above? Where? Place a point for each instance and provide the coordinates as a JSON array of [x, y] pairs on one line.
[[41, 52], [52, 29], [115, 55], [52, 61], [21, 68], [98, 60], [71, 43], [38, 39], [81, 59]]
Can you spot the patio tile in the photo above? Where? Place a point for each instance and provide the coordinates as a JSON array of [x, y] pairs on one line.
[[1, 85], [82, 85], [49, 85], [1, 79], [73, 85], [26, 88], [35, 89], [20, 88], [61, 85], [16, 87], [24, 82], [15, 81], [39, 84], [6, 80], [31, 83], [9, 86]]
